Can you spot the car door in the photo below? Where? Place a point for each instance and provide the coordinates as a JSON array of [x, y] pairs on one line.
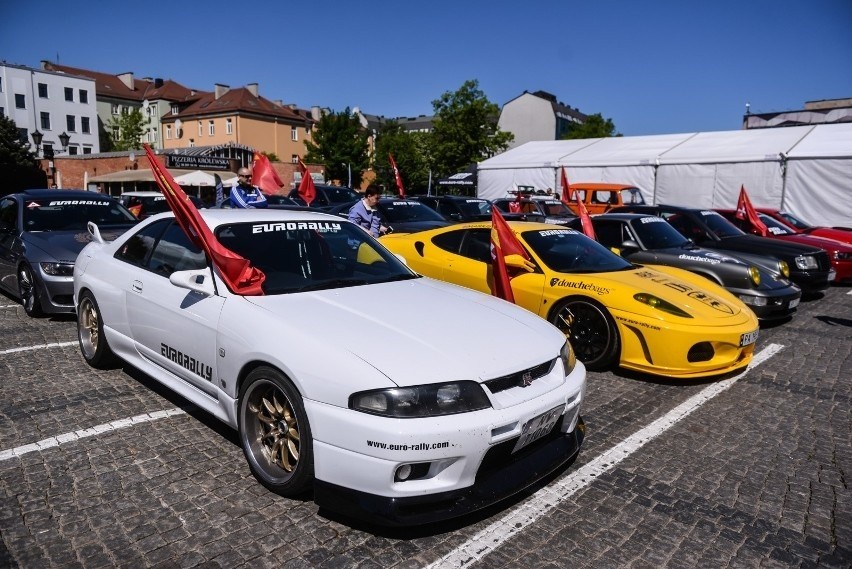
[[173, 327]]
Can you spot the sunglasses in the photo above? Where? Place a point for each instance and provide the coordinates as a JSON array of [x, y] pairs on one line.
[[244, 176]]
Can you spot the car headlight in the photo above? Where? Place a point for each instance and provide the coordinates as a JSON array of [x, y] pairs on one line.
[[659, 303], [431, 400], [569, 360], [58, 269], [805, 262], [753, 300], [784, 268], [754, 275]]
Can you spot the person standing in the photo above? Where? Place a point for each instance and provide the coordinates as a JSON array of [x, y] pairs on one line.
[[365, 214], [244, 194]]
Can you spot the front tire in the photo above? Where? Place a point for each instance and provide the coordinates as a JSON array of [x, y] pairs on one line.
[[90, 333], [274, 432], [591, 331], [28, 291]]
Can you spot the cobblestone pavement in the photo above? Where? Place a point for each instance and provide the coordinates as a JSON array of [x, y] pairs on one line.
[[758, 476]]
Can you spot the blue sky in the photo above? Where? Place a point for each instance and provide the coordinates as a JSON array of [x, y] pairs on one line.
[[655, 67]]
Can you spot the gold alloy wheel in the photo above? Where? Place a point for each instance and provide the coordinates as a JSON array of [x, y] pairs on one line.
[[88, 328], [277, 428]]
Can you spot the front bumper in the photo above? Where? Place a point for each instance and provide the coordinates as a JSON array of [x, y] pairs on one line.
[[776, 307], [500, 476], [55, 294]]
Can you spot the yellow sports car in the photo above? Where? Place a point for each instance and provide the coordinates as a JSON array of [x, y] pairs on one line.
[[654, 319]]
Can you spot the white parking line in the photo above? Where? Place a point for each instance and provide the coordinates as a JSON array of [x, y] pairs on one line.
[[850, 292], [38, 347], [10, 306], [83, 433], [493, 536]]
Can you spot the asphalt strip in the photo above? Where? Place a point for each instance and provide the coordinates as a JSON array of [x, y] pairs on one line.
[[510, 525]]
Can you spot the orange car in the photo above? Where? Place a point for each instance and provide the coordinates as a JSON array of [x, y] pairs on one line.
[[600, 198]]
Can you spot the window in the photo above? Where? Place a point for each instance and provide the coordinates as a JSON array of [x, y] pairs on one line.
[[192, 143], [69, 94], [23, 135], [125, 110], [175, 252], [200, 128], [211, 129], [84, 125], [87, 150], [229, 126], [138, 248], [45, 121], [168, 132], [42, 90], [47, 150], [1, 84], [71, 123], [175, 109], [294, 159], [20, 101], [84, 96], [294, 133], [115, 108], [72, 150], [2, 112]]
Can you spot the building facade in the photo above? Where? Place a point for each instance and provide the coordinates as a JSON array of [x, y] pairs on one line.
[[50, 103], [828, 111], [537, 116]]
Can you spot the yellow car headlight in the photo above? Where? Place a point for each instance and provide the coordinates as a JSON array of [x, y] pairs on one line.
[[784, 268], [569, 360], [660, 304], [754, 275]]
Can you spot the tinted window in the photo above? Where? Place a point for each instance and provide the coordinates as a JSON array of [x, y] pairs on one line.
[[720, 226], [631, 196], [450, 241], [655, 233], [8, 214], [73, 214], [137, 249], [775, 227], [556, 208], [175, 252], [474, 207], [397, 211], [341, 194], [567, 250], [610, 233]]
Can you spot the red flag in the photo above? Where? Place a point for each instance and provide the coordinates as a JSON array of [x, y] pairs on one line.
[[503, 244], [263, 175], [566, 188], [237, 272], [515, 206], [585, 220], [307, 190], [397, 176], [745, 211]]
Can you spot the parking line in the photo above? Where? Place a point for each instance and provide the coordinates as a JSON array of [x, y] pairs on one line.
[[498, 532], [38, 347], [10, 306], [84, 433]]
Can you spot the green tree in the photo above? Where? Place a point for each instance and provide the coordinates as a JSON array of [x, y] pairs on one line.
[[594, 127], [339, 141], [410, 151], [124, 131], [465, 129], [18, 164]]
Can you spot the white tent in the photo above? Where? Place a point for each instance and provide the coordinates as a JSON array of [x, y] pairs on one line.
[[804, 170], [204, 178]]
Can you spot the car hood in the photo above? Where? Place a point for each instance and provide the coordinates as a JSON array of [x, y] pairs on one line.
[[60, 245], [817, 241], [764, 245], [705, 306], [422, 331], [700, 255]]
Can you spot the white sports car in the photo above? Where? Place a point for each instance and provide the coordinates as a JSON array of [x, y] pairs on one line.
[[403, 400]]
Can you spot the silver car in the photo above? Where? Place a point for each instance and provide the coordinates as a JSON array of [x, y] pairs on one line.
[[41, 233]]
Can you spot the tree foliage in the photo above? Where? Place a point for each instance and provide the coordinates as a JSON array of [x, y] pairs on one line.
[[124, 131], [465, 129], [17, 162], [594, 127], [339, 141], [410, 151]]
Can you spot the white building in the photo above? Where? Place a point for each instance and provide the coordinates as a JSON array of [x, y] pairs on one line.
[[537, 116], [50, 103]]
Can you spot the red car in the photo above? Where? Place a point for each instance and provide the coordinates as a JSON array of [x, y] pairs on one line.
[[798, 226], [839, 253]]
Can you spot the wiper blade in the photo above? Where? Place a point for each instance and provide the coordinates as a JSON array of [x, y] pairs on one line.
[[400, 277], [332, 283]]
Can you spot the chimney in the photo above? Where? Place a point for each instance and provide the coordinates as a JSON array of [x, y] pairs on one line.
[[252, 88], [278, 102], [220, 90], [316, 113], [127, 79], [158, 82]]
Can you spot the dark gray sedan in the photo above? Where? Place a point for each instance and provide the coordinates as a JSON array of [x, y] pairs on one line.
[[648, 239], [41, 233]]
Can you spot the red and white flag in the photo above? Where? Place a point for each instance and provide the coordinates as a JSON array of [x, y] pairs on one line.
[[503, 244], [307, 189], [263, 175], [566, 188], [239, 275], [585, 219], [745, 211], [397, 176], [515, 206]]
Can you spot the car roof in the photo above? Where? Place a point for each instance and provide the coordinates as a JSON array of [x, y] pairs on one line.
[[142, 194], [625, 216], [600, 186], [216, 216], [60, 194]]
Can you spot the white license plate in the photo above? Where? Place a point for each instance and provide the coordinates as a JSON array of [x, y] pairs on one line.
[[794, 303], [750, 338], [538, 427]]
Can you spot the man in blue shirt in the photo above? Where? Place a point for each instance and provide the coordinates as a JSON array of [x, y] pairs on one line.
[[244, 194], [365, 214]]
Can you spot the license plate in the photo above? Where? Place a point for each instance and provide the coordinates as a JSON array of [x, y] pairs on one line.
[[538, 427], [794, 303], [750, 338]]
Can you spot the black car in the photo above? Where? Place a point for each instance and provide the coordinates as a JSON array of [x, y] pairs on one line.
[[462, 209], [648, 239], [545, 210], [327, 196], [401, 215], [708, 229], [41, 233]]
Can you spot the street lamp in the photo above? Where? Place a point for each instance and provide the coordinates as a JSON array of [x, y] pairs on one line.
[[64, 139], [37, 138]]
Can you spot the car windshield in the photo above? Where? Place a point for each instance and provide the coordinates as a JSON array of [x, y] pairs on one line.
[[299, 256], [474, 207], [569, 251], [655, 233], [720, 226], [341, 194], [556, 208], [150, 204], [73, 214], [400, 210], [632, 196], [794, 221], [774, 226]]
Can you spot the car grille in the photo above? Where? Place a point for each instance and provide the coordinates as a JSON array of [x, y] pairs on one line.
[[519, 379], [823, 260], [500, 455]]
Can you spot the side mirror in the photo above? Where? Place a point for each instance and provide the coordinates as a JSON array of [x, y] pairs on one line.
[[629, 245], [518, 262], [199, 280]]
